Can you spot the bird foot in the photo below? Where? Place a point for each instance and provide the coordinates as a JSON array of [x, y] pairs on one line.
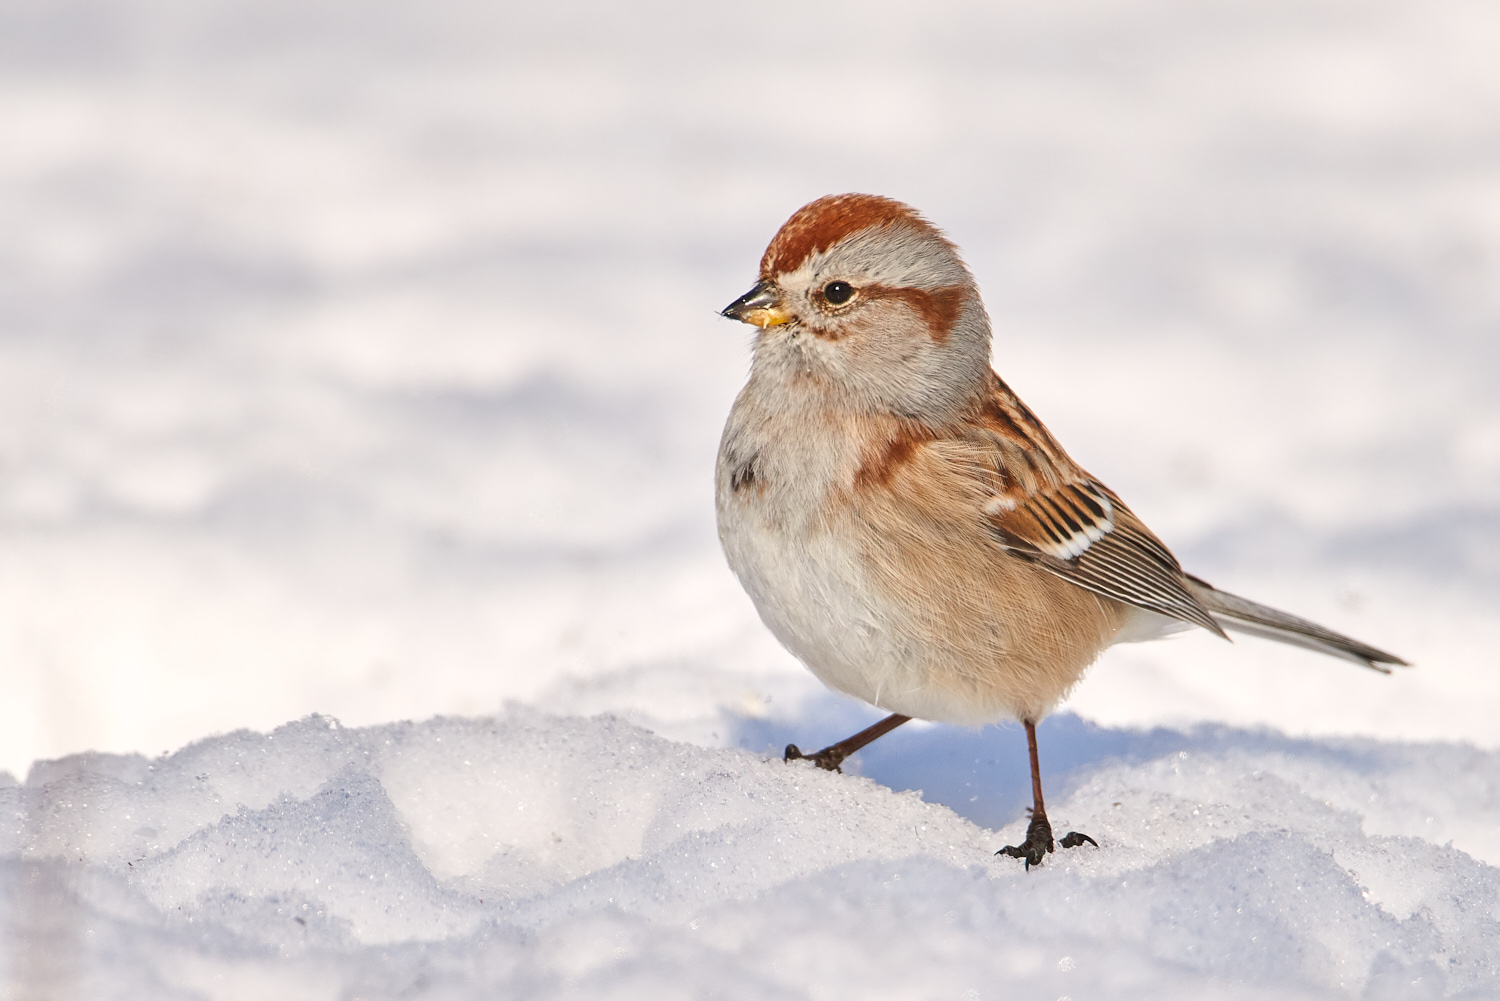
[[1039, 841], [829, 758], [1073, 840]]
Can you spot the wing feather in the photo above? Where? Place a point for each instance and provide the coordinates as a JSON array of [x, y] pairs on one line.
[[1084, 535], [1042, 507]]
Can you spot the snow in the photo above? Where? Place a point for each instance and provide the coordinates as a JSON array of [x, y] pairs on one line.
[[361, 361], [531, 855]]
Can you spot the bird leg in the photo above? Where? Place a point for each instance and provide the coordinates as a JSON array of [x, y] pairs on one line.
[[1039, 833], [830, 757]]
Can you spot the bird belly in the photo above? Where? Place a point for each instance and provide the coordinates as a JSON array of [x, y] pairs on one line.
[[826, 602], [813, 595]]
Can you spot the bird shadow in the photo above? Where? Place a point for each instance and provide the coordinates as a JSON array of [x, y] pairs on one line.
[[983, 774]]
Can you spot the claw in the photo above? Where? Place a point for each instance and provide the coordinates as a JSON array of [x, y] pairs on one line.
[[1032, 853], [1039, 842], [825, 760]]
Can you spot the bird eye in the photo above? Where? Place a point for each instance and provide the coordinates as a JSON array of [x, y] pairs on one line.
[[838, 293]]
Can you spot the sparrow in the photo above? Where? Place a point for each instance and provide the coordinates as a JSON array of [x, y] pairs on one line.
[[906, 526]]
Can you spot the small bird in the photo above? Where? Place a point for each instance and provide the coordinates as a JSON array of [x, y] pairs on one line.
[[905, 525]]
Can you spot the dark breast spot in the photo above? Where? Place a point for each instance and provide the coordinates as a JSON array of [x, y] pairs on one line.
[[743, 474]]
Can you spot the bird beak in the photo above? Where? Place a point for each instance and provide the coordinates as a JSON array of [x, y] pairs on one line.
[[761, 306]]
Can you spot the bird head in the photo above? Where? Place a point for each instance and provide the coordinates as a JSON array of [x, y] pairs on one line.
[[863, 297]]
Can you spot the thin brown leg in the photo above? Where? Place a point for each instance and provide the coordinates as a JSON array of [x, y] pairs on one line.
[[1039, 833], [830, 757], [1037, 806]]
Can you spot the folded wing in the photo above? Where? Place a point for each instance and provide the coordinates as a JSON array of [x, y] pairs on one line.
[[1040, 506], [1081, 532]]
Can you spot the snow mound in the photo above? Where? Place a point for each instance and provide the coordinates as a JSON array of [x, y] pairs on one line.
[[540, 856]]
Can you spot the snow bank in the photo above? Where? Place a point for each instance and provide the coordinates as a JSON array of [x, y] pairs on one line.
[[535, 856]]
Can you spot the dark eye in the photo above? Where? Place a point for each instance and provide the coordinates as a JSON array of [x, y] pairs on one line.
[[838, 293]]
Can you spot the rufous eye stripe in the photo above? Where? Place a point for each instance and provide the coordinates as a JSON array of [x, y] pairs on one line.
[[939, 308]]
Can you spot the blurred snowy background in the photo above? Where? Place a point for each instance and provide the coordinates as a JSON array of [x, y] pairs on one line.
[[361, 359]]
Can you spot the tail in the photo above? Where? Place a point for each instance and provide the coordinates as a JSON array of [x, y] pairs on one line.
[[1244, 616]]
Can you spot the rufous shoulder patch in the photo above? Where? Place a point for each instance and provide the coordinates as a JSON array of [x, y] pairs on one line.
[[886, 459]]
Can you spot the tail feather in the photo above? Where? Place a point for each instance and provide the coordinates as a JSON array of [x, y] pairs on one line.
[[1242, 615]]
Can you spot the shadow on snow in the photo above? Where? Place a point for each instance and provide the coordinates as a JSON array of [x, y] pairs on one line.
[[982, 773]]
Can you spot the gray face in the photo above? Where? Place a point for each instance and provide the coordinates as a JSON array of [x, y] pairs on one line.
[[888, 319]]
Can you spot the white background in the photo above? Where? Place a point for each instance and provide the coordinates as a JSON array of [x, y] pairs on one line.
[[361, 358]]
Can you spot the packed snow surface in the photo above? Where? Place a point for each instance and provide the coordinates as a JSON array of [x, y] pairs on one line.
[[552, 857], [360, 360]]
